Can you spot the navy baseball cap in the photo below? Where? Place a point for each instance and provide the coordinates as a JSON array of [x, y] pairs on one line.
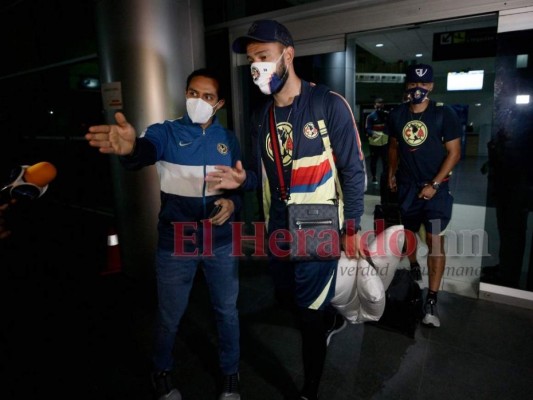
[[265, 30], [419, 73]]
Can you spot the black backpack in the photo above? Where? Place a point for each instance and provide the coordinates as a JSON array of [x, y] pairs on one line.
[[403, 306]]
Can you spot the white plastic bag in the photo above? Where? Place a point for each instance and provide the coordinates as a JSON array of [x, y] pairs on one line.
[[359, 287]]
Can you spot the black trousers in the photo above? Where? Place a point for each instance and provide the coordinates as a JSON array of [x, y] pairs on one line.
[[377, 153]]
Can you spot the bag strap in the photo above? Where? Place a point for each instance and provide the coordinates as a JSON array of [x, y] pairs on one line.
[[283, 192], [318, 97], [323, 131]]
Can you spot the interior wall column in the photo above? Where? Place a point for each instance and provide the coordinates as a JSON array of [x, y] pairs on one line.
[[146, 50]]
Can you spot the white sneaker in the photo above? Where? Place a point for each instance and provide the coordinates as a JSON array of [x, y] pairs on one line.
[[432, 315], [165, 390], [231, 388]]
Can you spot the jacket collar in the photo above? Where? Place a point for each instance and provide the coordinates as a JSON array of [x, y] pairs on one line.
[[215, 123]]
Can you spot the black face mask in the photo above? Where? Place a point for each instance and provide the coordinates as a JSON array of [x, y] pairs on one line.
[[417, 94]]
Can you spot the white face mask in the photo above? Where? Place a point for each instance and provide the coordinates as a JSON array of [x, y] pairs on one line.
[[265, 77], [200, 110]]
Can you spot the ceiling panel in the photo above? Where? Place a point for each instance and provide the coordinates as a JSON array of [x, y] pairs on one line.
[[404, 43]]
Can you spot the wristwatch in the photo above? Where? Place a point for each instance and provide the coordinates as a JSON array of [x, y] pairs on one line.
[[435, 185]]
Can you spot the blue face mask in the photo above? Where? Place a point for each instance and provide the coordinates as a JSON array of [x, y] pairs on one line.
[[276, 84], [417, 94]]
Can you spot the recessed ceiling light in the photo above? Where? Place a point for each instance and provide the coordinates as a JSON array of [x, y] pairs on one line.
[[379, 45], [419, 55]]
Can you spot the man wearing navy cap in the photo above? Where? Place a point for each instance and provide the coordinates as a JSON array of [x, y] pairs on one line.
[[307, 175], [424, 147]]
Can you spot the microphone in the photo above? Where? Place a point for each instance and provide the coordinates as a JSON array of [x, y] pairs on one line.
[[28, 182]]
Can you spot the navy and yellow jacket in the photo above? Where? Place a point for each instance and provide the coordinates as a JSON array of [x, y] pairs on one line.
[[310, 177], [184, 153]]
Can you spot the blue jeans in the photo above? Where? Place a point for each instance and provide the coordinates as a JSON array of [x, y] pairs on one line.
[[175, 276]]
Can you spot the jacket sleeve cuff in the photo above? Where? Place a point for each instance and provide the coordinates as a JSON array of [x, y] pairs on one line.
[[350, 227]]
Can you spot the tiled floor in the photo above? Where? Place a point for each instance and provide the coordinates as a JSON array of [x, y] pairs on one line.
[[101, 340]]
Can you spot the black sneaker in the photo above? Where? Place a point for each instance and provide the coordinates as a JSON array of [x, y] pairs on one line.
[[416, 273], [230, 389], [339, 323], [163, 386], [432, 315]]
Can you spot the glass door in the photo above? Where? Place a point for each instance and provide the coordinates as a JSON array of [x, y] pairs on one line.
[[455, 48], [510, 170]]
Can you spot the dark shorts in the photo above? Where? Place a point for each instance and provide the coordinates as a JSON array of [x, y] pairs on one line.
[[311, 282], [435, 214]]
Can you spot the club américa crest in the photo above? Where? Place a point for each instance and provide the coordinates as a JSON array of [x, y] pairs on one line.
[[286, 143], [310, 131], [285, 136], [415, 133], [222, 148]]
